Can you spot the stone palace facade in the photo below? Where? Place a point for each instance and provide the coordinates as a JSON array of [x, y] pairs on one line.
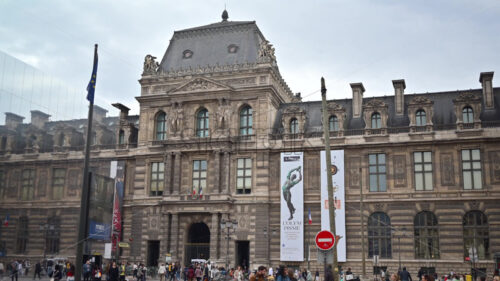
[[215, 114]]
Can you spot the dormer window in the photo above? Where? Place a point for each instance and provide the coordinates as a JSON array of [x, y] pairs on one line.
[[468, 115], [421, 119], [187, 54], [232, 49], [294, 126], [376, 121], [333, 123]]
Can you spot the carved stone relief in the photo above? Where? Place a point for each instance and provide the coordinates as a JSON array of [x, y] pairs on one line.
[[354, 175], [447, 169], [495, 166], [399, 166]]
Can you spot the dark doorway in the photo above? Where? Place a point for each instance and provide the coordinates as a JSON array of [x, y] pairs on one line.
[[243, 250], [153, 252], [198, 242]]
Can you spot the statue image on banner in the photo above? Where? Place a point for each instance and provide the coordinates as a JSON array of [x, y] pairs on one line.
[[291, 181]]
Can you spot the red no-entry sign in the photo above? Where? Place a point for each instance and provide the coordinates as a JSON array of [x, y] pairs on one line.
[[325, 240]]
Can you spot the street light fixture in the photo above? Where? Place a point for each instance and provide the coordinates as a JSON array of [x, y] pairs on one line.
[[229, 227]]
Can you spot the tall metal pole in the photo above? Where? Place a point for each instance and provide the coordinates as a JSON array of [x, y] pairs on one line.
[[361, 215], [84, 201], [331, 204], [308, 247], [399, 251]]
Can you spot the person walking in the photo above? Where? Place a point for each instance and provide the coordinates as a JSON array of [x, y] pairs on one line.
[[97, 273], [38, 270], [282, 274], [161, 271], [113, 272], [87, 271], [14, 271], [405, 275], [122, 271], [57, 274], [260, 275], [198, 273], [329, 274]]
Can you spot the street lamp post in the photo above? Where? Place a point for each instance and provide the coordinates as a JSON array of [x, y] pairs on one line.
[[229, 227], [402, 233], [45, 229]]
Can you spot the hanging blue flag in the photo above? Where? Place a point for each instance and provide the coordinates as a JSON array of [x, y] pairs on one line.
[[91, 85]]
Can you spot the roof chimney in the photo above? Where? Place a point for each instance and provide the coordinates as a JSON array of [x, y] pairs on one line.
[[99, 113], [486, 79], [399, 92], [12, 120], [357, 99], [123, 110], [38, 118]]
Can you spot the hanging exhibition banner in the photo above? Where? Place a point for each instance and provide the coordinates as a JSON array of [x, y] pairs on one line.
[[292, 207], [100, 207], [117, 171], [337, 157]]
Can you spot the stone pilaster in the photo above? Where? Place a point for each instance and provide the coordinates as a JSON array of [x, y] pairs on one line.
[[216, 177], [214, 236], [174, 239], [177, 173], [165, 230], [226, 170], [168, 174]]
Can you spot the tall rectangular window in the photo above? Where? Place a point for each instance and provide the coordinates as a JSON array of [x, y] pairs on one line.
[[471, 169], [28, 184], [2, 184], [244, 176], [22, 234], [199, 176], [377, 172], [58, 179], [157, 179], [423, 170]]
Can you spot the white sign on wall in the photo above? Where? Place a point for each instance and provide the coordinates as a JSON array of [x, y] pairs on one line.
[[292, 207], [337, 157]]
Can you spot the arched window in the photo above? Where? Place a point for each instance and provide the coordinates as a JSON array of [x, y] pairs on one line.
[[294, 126], [202, 123], [121, 137], [22, 234], [467, 115], [379, 235], [421, 118], [246, 121], [161, 126], [476, 235], [52, 235], [376, 121], [333, 123], [426, 236]]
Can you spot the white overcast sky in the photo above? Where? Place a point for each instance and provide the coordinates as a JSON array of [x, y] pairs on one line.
[[434, 45]]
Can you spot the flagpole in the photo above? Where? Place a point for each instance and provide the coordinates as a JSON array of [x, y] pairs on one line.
[[84, 202]]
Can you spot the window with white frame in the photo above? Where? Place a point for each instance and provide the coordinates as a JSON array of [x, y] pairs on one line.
[[471, 169], [157, 179], [422, 169], [244, 176]]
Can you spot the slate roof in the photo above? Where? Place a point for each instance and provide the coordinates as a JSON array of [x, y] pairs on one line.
[[209, 44], [444, 111]]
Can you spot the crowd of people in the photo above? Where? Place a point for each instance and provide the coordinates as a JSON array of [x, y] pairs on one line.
[[203, 271]]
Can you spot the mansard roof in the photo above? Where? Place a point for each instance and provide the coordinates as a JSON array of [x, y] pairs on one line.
[[209, 45], [443, 104]]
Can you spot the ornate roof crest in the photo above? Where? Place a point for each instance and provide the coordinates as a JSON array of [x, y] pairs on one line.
[[467, 97], [200, 84], [293, 110], [375, 103], [421, 100]]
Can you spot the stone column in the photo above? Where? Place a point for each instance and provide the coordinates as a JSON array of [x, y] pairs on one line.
[[168, 174], [165, 233], [174, 238], [226, 171], [214, 236], [177, 173], [217, 171]]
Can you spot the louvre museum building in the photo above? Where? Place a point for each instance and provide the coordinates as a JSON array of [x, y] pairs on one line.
[[205, 168]]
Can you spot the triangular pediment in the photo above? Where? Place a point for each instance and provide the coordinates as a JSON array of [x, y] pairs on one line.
[[200, 85]]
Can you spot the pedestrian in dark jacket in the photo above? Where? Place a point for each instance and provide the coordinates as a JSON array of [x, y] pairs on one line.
[[405, 275], [38, 270], [114, 273]]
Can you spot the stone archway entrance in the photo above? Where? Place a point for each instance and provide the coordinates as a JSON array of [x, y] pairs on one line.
[[198, 242]]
